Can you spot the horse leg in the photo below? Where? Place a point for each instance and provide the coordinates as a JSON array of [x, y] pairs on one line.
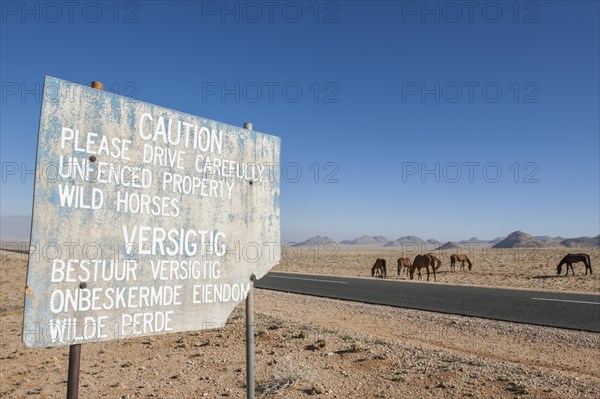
[[427, 268], [587, 266], [434, 278]]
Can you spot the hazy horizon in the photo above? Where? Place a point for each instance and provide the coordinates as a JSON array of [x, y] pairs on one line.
[[16, 228]]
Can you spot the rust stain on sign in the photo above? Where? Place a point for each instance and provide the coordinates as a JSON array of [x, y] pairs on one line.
[[28, 293], [146, 220]]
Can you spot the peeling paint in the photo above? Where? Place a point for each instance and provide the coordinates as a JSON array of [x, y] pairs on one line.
[[250, 217]]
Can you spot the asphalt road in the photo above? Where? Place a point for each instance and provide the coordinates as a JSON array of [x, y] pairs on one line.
[[572, 311]]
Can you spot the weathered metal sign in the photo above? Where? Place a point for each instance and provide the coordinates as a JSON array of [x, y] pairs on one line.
[[145, 220]]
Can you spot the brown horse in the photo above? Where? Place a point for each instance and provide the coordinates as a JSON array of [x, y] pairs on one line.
[[379, 268], [435, 261], [569, 259], [420, 262], [460, 258], [404, 264]]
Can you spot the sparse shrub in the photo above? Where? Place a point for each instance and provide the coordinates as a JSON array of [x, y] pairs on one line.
[[286, 375], [359, 347], [301, 335], [515, 388], [319, 344]]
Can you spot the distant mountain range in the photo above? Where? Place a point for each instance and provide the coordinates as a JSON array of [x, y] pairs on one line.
[[519, 239], [366, 240], [581, 242], [516, 239]]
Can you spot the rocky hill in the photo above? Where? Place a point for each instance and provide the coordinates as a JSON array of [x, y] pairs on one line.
[[448, 245], [519, 239], [406, 241], [316, 240], [581, 242]]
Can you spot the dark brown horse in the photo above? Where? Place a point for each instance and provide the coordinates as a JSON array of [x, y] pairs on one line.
[[379, 268], [569, 259], [420, 262], [460, 258], [404, 265]]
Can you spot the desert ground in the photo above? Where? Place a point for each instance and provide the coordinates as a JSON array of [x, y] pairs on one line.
[[525, 268], [312, 347]]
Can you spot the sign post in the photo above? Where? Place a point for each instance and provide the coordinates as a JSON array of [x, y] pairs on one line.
[[250, 342], [250, 328], [146, 221], [74, 367], [75, 350]]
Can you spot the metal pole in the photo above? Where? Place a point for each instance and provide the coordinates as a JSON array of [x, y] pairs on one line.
[[75, 350], [250, 342], [73, 378], [250, 329]]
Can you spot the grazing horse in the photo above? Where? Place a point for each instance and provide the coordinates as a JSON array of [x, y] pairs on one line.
[[379, 268], [569, 259], [460, 258], [422, 261], [435, 261], [404, 264]]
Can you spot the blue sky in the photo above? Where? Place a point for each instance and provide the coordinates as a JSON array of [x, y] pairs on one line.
[[369, 94]]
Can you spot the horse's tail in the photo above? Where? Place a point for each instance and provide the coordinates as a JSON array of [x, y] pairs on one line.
[[436, 262]]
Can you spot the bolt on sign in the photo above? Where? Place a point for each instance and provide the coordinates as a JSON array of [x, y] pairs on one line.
[[145, 220]]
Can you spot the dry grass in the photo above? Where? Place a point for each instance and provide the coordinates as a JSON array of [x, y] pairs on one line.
[[533, 268]]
